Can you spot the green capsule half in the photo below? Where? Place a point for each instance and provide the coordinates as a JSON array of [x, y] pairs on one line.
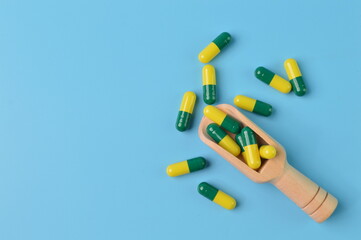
[[207, 190], [196, 164], [223, 140], [183, 121], [248, 137], [209, 94], [239, 141], [222, 40], [215, 132], [298, 86]]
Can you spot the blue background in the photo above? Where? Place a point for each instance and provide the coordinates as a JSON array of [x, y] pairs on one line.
[[90, 90]]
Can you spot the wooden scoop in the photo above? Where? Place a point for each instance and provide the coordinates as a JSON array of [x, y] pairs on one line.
[[311, 198]]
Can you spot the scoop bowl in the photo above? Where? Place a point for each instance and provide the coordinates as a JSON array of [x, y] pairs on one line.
[[311, 198]]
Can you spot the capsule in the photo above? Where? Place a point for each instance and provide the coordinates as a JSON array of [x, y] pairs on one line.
[[272, 79], [224, 140], [222, 119], [217, 196], [295, 77], [209, 84], [214, 47], [185, 111], [251, 148], [185, 167], [253, 105], [240, 143], [267, 151]]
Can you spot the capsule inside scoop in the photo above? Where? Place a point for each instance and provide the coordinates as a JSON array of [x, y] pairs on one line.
[[222, 119], [223, 139], [267, 151]]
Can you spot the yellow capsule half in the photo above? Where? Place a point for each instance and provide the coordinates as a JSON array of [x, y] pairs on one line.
[[188, 102], [267, 151], [292, 69], [230, 145], [225, 200], [253, 158], [209, 53], [177, 169]]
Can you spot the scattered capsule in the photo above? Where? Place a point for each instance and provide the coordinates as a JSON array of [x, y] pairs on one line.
[[272, 79], [224, 140], [295, 77], [222, 119], [214, 47], [239, 141], [251, 148], [267, 151], [185, 111], [185, 167], [217, 196], [253, 105], [209, 84]]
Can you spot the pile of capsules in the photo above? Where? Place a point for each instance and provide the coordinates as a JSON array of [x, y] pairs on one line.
[[245, 142]]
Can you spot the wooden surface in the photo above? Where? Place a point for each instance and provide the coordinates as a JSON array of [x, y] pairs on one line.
[[312, 199]]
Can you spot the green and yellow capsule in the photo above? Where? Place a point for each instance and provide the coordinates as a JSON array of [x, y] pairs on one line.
[[240, 143], [185, 167], [295, 77], [223, 140], [185, 111], [253, 158], [222, 119], [214, 47], [217, 196], [209, 84], [272, 79], [253, 105]]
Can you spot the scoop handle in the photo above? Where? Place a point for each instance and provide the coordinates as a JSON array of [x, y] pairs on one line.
[[311, 198]]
